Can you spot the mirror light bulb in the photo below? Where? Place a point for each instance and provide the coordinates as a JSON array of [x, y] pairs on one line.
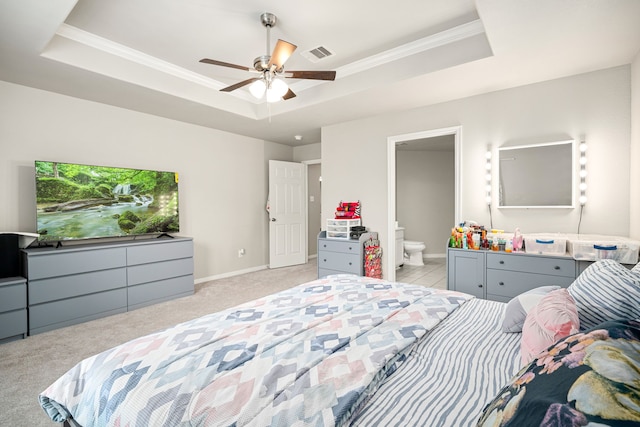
[[583, 200]]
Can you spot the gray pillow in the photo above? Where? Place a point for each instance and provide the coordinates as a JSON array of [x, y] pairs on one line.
[[606, 290], [518, 307]]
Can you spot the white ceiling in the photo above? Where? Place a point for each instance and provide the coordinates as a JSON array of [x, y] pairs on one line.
[[143, 54]]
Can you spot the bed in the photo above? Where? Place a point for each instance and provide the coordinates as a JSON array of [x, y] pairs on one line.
[[344, 350]]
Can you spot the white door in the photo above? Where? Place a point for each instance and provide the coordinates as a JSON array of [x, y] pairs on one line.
[[287, 214]]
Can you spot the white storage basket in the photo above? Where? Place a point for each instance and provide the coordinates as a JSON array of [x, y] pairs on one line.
[[594, 248], [545, 244], [340, 228]]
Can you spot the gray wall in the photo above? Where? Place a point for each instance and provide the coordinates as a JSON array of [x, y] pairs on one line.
[[424, 197], [223, 176], [314, 207], [634, 157], [596, 105]]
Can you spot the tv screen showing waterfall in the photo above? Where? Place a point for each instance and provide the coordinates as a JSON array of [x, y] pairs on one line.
[[77, 201]]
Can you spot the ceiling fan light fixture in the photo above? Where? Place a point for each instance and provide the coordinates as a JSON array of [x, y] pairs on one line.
[[258, 88], [279, 87], [272, 96], [276, 90]]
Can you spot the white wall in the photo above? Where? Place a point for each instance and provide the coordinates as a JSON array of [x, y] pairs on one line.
[[222, 175], [306, 152], [596, 105], [634, 158]]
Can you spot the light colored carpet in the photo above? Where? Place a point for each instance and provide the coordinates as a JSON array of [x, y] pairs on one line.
[[29, 366]]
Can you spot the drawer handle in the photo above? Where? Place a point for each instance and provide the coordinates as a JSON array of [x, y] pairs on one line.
[[324, 246], [325, 260], [349, 263], [479, 285], [557, 267], [501, 283], [350, 248], [501, 262]]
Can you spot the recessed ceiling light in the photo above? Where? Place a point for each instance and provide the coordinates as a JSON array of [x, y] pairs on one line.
[[298, 137]]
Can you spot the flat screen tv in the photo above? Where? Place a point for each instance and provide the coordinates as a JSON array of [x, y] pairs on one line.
[[76, 201]]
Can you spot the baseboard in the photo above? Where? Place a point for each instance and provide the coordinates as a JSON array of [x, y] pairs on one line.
[[425, 256], [231, 274], [312, 256]]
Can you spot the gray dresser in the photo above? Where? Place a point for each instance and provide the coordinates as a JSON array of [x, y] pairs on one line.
[[339, 256], [74, 284], [500, 276], [13, 308]]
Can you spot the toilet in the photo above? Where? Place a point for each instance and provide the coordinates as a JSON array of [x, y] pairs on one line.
[[413, 252]]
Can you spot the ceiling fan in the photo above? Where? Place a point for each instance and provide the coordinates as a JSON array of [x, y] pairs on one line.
[[271, 69]]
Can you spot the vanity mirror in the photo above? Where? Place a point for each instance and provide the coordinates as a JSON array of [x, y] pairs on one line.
[[536, 176]]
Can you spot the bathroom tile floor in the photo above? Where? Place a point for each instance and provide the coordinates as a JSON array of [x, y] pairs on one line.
[[432, 274]]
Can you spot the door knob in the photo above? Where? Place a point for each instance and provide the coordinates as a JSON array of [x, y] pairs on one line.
[[273, 220]]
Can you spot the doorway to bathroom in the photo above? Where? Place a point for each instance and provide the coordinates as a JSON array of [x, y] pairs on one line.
[[423, 174]]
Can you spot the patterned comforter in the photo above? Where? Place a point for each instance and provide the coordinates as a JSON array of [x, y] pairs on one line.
[[311, 355]]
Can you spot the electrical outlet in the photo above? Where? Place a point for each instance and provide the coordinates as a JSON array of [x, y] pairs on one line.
[[241, 253]]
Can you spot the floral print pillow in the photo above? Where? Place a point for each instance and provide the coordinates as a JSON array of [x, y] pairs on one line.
[[589, 378]]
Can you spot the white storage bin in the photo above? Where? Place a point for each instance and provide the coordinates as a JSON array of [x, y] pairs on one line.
[[343, 222], [341, 228], [594, 248], [545, 244]]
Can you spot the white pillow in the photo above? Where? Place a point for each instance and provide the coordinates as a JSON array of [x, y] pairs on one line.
[[518, 307], [606, 290]]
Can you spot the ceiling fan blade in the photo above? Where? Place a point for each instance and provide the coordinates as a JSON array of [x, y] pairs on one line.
[[224, 64], [311, 75], [281, 53], [289, 95], [239, 85]]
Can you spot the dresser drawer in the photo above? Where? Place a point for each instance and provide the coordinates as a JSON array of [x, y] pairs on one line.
[[345, 263], [52, 264], [164, 251], [513, 283], [58, 288], [145, 273], [532, 264], [52, 315], [161, 290], [13, 296], [13, 323], [346, 246]]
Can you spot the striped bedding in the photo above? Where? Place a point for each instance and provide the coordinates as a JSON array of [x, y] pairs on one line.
[[451, 374]]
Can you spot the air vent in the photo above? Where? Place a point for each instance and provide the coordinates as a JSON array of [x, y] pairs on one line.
[[317, 54]]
